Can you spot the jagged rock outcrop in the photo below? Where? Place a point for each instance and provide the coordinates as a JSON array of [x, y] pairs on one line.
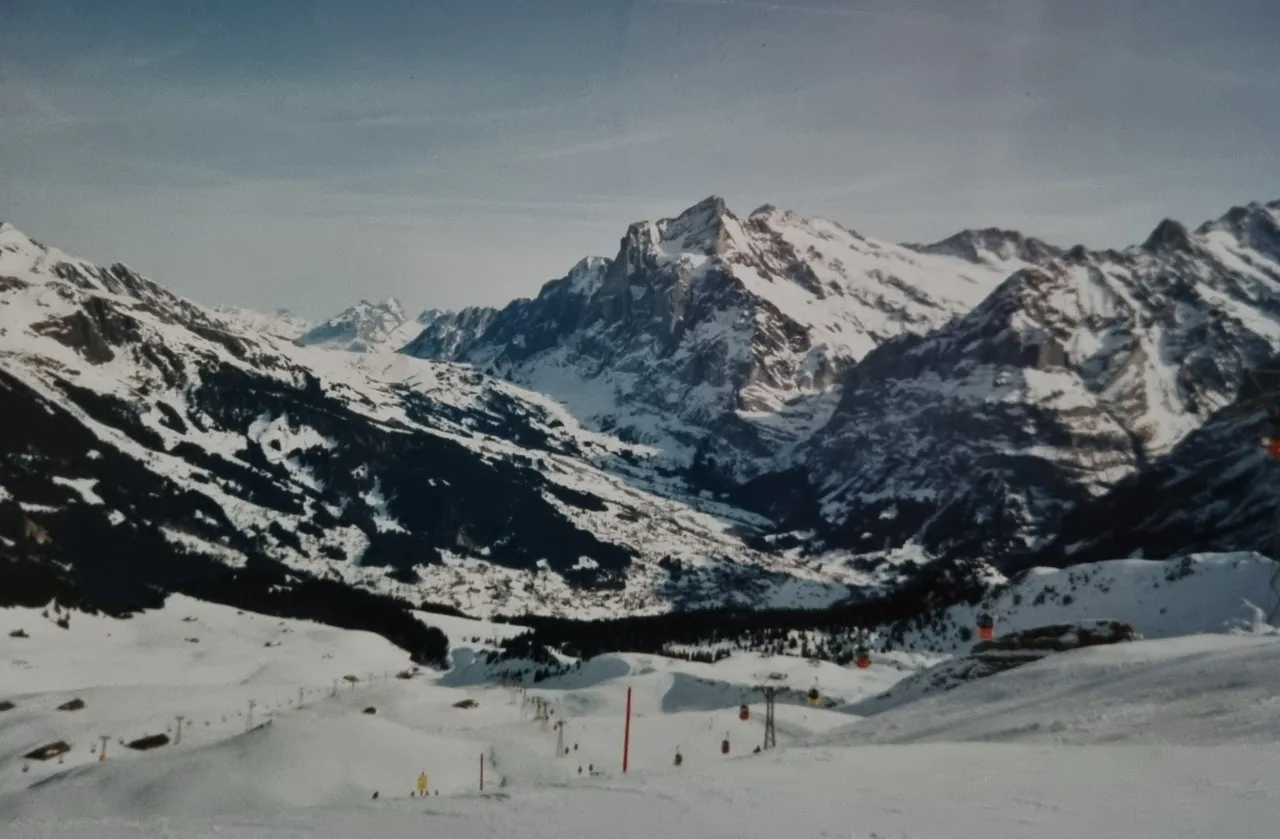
[[717, 339], [981, 437]]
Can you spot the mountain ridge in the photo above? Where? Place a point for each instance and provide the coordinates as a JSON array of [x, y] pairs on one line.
[[679, 418], [140, 421]]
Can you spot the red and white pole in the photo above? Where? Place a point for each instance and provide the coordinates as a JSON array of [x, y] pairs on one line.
[[626, 736]]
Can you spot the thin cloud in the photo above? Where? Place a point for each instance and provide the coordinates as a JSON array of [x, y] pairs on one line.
[[32, 109], [117, 53], [387, 118], [800, 8], [605, 144]]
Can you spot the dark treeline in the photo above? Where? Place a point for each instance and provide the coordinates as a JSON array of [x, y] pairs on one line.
[[915, 605], [30, 584], [326, 601], [703, 657], [36, 571]]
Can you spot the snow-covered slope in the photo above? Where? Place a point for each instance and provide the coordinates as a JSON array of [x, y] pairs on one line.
[[716, 337], [1200, 690], [977, 438], [1159, 598], [1215, 490], [1143, 741], [150, 436], [281, 323]]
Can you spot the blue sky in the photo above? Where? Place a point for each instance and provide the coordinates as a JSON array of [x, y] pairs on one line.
[[306, 154]]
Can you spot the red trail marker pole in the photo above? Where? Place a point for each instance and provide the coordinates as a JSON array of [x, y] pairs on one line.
[[626, 736]]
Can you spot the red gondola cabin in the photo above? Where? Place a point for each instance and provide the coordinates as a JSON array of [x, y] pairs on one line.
[[986, 627]]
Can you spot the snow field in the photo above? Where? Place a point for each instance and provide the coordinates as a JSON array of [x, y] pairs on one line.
[[1177, 737], [1196, 690]]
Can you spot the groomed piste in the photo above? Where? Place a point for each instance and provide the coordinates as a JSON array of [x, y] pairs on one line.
[[290, 728]]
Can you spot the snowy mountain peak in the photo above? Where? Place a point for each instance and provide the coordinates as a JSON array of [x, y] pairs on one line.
[[1169, 235], [394, 307], [585, 276], [1254, 225], [705, 320], [992, 245], [363, 327], [700, 230]]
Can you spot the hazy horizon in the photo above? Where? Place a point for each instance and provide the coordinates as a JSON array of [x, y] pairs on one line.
[[459, 155]]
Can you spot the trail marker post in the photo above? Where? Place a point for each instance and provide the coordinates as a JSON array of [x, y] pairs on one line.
[[626, 735], [482, 771]]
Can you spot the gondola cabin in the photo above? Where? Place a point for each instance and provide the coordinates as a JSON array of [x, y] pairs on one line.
[[862, 658], [814, 696], [1271, 445], [724, 746], [744, 713], [986, 627]]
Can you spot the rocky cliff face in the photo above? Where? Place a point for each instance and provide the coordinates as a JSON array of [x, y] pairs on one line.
[[716, 339], [1070, 377], [159, 444], [960, 398]]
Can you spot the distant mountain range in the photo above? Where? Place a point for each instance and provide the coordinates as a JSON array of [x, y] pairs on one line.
[[765, 410]]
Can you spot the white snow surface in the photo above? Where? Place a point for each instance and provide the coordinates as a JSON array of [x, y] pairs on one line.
[[1160, 598], [281, 323], [1177, 737]]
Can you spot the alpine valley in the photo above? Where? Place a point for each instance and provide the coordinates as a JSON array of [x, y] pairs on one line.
[[766, 411]]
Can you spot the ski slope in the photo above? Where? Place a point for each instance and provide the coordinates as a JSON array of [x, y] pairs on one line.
[[1162, 738], [1193, 690]]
